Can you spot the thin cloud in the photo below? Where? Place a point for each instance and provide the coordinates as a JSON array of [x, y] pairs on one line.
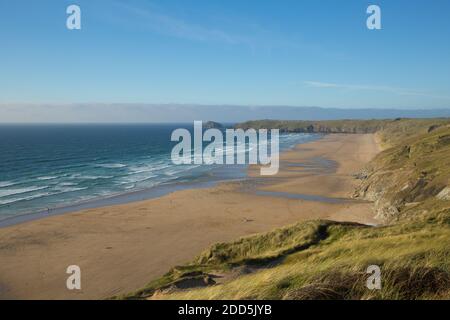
[[250, 34], [387, 89], [172, 26]]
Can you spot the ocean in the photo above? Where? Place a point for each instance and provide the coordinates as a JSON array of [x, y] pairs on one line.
[[49, 167]]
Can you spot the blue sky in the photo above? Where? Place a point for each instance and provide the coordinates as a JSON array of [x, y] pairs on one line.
[[241, 52]]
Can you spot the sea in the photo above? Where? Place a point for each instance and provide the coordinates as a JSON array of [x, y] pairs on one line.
[[60, 168]]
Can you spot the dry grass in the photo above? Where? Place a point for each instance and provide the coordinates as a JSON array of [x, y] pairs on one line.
[[328, 260], [414, 257]]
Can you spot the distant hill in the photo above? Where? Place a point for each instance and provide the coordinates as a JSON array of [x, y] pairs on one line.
[[212, 125], [139, 113], [346, 126]]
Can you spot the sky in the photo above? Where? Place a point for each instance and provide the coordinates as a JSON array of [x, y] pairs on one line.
[[233, 52]]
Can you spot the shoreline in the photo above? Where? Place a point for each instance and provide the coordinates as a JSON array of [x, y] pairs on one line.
[[112, 200], [222, 174], [122, 247]]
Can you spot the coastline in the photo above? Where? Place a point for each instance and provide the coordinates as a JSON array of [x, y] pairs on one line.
[[112, 200], [195, 180], [120, 248]]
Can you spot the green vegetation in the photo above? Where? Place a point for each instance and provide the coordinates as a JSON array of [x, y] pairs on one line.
[[413, 256], [212, 125], [398, 131], [331, 126], [395, 129], [410, 184], [412, 176]]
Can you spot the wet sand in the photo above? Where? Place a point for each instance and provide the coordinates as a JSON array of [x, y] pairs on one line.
[[120, 248]]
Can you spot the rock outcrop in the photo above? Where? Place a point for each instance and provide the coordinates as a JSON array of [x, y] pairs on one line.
[[412, 174]]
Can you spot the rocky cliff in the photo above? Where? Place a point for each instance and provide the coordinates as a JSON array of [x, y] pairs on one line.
[[412, 175]]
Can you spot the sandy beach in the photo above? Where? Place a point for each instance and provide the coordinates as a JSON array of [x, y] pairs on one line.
[[121, 248]]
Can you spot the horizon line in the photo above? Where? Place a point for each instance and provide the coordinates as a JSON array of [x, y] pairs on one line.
[[149, 104]]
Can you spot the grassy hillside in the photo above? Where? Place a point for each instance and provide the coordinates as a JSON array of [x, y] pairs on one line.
[[332, 126], [396, 132], [410, 184], [319, 260], [403, 179], [397, 128]]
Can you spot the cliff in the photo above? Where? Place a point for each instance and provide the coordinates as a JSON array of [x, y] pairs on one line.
[[412, 175], [399, 128], [332, 126]]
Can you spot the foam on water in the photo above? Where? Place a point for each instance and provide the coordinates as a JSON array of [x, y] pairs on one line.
[[47, 178], [50, 166], [11, 192], [4, 184], [112, 165]]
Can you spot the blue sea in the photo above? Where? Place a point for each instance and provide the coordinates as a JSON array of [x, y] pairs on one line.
[[45, 167]]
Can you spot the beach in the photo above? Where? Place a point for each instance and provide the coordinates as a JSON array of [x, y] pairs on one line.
[[120, 248]]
